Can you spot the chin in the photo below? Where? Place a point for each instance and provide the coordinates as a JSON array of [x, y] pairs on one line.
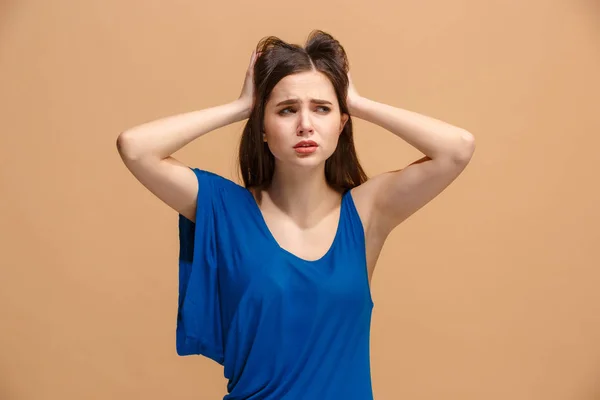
[[302, 161]]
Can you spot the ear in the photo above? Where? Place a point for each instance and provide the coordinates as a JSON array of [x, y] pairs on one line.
[[343, 120]]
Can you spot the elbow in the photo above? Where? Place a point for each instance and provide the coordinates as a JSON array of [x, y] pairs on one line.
[[465, 148], [124, 146]]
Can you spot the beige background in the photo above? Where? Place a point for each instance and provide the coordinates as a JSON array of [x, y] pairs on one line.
[[489, 292]]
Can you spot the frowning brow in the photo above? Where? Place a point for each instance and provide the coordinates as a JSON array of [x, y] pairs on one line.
[[296, 101]]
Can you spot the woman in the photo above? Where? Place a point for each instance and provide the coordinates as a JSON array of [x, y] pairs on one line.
[[275, 274]]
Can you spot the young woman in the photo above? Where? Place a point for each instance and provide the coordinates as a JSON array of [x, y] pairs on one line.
[[275, 275]]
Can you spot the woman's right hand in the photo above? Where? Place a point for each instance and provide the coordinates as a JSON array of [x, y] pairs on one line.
[[247, 94]]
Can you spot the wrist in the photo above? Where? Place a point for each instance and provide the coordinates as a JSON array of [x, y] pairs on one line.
[[357, 106], [242, 109]]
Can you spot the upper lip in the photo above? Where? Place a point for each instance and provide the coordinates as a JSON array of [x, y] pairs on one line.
[[306, 143]]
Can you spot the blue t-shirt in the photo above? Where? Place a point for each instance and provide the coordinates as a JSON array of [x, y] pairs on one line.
[[283, 328]]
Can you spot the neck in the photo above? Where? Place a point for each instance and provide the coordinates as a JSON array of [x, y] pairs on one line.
[[302, 193]]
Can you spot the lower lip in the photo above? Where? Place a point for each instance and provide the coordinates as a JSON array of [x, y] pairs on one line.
[[306, 150]]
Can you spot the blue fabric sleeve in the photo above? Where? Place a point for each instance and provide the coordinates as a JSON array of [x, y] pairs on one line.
[[199, 326]]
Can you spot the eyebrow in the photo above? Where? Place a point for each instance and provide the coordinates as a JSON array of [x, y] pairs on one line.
[[296, 101]]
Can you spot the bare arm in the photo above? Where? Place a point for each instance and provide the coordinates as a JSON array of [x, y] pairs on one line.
[[160, 138], [393, 196], [146, 149], [163, 137]]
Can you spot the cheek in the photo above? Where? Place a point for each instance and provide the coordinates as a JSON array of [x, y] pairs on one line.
[[278, 137], [331, 132], [274, 126], [278, 133]]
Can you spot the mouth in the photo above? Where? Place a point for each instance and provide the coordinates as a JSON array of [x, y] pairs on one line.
[[306, 143]]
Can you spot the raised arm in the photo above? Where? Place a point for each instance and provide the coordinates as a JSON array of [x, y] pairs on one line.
[[393, 196], [146, 149]]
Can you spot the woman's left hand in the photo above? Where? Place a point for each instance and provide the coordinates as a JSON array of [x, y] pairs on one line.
[[353, 97]]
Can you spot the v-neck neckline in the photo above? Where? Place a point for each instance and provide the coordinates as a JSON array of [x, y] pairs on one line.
[[273, 240]]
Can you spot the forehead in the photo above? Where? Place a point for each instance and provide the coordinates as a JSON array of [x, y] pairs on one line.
[[304, 85]]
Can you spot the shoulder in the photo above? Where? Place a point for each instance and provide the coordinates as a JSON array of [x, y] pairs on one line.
[[216, 193], [216, 180]]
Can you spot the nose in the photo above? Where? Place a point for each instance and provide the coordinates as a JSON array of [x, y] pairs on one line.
[[305, 124]]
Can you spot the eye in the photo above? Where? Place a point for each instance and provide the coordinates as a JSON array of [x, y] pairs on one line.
[[290, 110], [283, 112]]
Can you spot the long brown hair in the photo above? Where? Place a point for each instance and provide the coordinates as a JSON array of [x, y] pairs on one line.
[[277, 60]]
